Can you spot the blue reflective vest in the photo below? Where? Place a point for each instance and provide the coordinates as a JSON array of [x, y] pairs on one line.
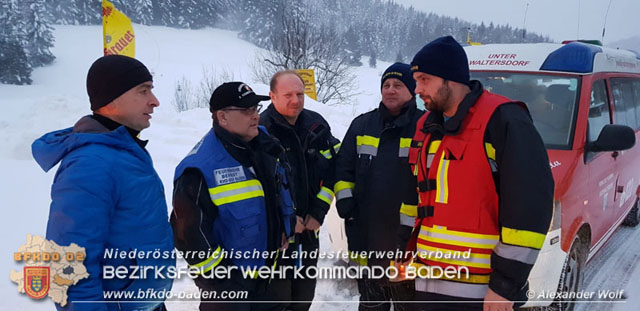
[[241, 224]]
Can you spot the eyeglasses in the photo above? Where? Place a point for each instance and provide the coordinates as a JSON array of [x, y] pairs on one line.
[[247, 111]]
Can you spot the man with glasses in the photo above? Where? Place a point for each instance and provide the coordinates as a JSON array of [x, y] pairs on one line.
[[231, 199], [310, 150]]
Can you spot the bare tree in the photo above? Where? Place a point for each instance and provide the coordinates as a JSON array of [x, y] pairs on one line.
[[187, 97], [211, 79], [299, 44], [183, 97]]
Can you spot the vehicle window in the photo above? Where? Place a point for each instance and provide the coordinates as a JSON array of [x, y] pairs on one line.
[[551, 100], [599, 115], [623, 101], [636, 100]]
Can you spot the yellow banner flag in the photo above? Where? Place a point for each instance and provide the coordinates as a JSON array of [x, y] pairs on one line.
[[309, 78], [117, 32]]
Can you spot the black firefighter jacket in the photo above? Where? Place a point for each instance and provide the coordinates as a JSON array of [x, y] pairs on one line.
[[374, 178], [310, 150]]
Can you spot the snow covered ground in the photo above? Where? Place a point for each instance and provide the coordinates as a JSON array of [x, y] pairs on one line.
[[58, 98]]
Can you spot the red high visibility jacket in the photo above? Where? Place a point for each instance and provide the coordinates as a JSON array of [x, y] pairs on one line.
[[463, 220], [458, 165]]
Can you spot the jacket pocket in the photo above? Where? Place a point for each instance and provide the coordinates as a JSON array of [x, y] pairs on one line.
[[245, 228], [453, 187]]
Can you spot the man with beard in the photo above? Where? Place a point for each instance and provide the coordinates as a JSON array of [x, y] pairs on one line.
[[484, 183], [375, 191]]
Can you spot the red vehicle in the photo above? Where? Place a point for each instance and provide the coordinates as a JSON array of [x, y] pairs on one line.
[[585, 102]]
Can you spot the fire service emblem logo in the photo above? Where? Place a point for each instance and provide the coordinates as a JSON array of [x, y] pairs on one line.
[[36, 283]]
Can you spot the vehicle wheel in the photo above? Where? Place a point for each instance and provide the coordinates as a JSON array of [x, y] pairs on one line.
[[633, 218], [572, 275]]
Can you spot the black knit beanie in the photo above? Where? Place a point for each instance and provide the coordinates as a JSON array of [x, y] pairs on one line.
[[443, 57], [401, 72], [113, 75]]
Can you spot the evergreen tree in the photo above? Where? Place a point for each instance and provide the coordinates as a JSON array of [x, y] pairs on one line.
[[63, 11], [185, 10], [262, 20], [14, 65], [86, 12], [142, 12], [7, 17], [164, 12], [38, 33]]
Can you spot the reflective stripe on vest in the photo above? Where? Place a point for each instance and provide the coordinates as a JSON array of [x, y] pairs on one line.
[[431, 153], [441, 235], [455, 289], [343, 189], [405, 144], [325, 195], [367, 145], [234, 192], [442, 180], [208, 264], [455, 257], [425, 271]]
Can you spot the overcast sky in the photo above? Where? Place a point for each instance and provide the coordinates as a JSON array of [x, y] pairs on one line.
[[556, 18]]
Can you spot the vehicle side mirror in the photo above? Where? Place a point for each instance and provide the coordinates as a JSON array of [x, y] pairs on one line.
[[614, 137]]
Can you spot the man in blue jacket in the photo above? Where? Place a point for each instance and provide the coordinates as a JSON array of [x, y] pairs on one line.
[[231, 200], [106, 194]]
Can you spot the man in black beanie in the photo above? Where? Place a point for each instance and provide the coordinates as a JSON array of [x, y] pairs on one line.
[[119, 89], [375, 192], [484, 184], [106, 194]]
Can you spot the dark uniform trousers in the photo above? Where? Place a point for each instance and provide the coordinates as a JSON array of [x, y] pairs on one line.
[[257, 298], [376, 294], [298, 291], [435, 302]]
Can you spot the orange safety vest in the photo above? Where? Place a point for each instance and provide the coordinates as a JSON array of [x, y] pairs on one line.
[[458, 202]]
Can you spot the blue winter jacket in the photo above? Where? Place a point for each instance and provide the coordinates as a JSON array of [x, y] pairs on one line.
[[106, 195]]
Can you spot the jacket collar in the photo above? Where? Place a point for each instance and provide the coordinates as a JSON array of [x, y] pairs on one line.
[[263, 142], [111, 125], [272, 116], [404, 118], [52, 147], [308, 127]]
